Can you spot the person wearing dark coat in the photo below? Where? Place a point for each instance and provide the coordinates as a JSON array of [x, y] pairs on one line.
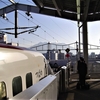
[[82, 71]]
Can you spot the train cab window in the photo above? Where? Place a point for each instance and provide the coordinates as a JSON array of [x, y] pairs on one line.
[[3, 95], [17, 85], [28, 80]]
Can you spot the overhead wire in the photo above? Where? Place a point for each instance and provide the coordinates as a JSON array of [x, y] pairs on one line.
[[46, 27], [32, 22], [26, 39], [8, 20], [12, 22], [61, 28], [40, 27], [17, 42], [53, 31], [3, 2], [29, 1], [2, 21], [40, 37], [36, 24]]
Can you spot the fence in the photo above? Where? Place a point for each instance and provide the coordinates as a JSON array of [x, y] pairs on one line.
[[93, 67]]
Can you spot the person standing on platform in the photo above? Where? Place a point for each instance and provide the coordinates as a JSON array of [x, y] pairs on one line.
[[82, 71]]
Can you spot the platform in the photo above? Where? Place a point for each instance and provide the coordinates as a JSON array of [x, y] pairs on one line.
[[73, 94]]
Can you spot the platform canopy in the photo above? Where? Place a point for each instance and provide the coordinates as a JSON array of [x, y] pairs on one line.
[[82, 10], [89, 10]]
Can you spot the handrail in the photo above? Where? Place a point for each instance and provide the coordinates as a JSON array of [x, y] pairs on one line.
[[41, 90]]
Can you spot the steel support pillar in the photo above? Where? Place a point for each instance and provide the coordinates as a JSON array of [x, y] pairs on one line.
[[85, 42], [79, 43], [16, 19]]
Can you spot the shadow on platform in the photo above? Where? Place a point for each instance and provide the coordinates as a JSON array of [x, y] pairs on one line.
[[74, 94]]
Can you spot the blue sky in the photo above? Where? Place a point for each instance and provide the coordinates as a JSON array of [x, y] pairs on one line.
[[52, 29]]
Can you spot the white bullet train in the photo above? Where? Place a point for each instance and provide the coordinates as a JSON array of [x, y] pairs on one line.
[[20, 68]]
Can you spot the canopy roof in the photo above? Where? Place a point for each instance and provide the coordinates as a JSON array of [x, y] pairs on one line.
[[89, 9]]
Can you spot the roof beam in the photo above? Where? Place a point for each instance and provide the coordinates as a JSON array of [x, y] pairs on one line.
[[38, 3], [86, 7], [7, 9], [78, 10], [60, 4], [57, 7], [96, 7], [18, 6], [34, 9]]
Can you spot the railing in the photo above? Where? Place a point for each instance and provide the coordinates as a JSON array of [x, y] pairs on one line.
[[65, 76], [93, 67], [59, 82], [46, 89]]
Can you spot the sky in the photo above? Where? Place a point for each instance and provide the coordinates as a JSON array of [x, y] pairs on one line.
[[52, 29]]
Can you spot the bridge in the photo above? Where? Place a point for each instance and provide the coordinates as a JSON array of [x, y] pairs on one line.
[[56, 46]]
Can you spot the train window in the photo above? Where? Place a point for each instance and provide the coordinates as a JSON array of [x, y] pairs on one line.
[[45, 69], [17, 85], [28, 80], [3, 94]]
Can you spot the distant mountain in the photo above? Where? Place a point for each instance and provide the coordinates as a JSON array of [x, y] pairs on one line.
[[40, 43]]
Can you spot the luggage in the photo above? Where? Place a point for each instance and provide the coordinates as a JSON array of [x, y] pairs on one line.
[[86, 87]]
